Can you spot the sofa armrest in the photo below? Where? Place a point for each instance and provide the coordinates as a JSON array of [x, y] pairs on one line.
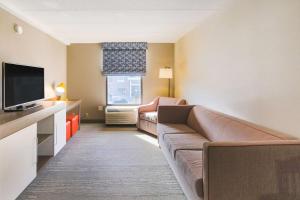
[[251, 170], [173, 114], [150, 107]]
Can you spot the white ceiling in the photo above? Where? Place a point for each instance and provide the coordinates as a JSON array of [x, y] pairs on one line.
[[92, 21]]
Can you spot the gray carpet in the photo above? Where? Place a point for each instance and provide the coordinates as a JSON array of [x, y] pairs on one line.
[[109, 164]]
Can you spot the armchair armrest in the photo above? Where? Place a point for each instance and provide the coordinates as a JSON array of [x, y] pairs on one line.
[[251, 170], [150, 107], [173, 114]]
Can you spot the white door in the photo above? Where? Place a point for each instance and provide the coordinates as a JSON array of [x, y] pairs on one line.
[[59, 131], [18, 160]]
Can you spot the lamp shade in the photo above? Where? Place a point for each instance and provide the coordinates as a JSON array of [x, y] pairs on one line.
[[60, 88], [165, 73]]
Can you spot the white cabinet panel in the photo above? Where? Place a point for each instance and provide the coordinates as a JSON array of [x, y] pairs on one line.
[[60, 131], [18, 159]]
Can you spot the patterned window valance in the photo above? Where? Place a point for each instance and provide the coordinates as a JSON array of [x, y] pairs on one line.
[[124, 58]]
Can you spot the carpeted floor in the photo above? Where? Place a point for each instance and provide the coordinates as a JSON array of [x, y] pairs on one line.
[[109, 164]]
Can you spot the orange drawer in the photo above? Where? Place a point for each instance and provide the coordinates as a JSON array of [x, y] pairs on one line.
[[68, 131], [75, 124]]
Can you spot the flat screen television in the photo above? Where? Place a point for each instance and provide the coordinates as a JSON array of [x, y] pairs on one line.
[[22, 86]]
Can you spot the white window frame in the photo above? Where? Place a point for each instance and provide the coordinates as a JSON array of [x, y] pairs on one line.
[[141, 79]]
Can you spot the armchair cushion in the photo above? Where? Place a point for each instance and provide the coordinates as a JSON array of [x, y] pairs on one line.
[[167, 101], [149, 116]]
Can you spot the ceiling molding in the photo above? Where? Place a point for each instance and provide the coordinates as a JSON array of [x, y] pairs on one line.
[[78, 21], [33, 23]]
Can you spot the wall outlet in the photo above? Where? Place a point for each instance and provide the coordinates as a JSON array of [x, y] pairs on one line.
[[86, 115], [100, 108]]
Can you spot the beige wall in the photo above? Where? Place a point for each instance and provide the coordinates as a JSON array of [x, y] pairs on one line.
[[86, 82], [159, 56], [33, 48], [245, 62]]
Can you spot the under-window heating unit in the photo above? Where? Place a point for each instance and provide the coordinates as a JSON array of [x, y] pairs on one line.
[[121, 115]]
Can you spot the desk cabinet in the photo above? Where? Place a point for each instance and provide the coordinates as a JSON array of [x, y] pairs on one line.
[[40, 131], [18, 159]]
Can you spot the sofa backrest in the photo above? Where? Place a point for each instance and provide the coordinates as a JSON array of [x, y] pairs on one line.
[[220, 127], [164, 101]]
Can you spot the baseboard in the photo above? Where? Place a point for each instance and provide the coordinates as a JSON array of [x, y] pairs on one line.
[[92, 120], [120, 125]]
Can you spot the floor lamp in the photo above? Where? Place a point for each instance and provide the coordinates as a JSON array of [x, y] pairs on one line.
[[166, 72]]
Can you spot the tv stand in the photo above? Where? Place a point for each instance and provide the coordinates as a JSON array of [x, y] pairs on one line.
[[22, 107]]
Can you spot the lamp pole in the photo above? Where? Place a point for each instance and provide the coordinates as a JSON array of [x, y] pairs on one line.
[[167, 73], [169, 87]]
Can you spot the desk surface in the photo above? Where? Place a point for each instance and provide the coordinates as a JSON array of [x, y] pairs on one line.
[[11, 122], [72, 104]]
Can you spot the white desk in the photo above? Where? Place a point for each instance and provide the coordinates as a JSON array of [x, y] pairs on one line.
[[19, 145]]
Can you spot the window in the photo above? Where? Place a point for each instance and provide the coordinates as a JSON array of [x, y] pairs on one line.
[[124, 90]]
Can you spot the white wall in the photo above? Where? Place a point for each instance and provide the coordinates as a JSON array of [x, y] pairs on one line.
[[245, 61]]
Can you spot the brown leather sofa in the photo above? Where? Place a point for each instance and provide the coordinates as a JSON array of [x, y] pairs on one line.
[[218, 157], [147, 114]]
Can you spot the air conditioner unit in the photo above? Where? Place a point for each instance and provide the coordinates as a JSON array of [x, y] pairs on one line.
[[121, 115]]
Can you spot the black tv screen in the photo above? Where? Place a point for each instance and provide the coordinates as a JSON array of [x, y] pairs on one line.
[[21, 84]]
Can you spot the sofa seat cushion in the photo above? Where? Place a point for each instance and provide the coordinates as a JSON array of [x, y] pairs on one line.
[[149, 116], [185, 141], [190, 163], [163, 129]]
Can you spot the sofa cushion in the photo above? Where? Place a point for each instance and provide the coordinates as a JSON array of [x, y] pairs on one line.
[[220, 127], [185, 141], [149, 116], [190, 163], [163, 129], [174, 128]]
